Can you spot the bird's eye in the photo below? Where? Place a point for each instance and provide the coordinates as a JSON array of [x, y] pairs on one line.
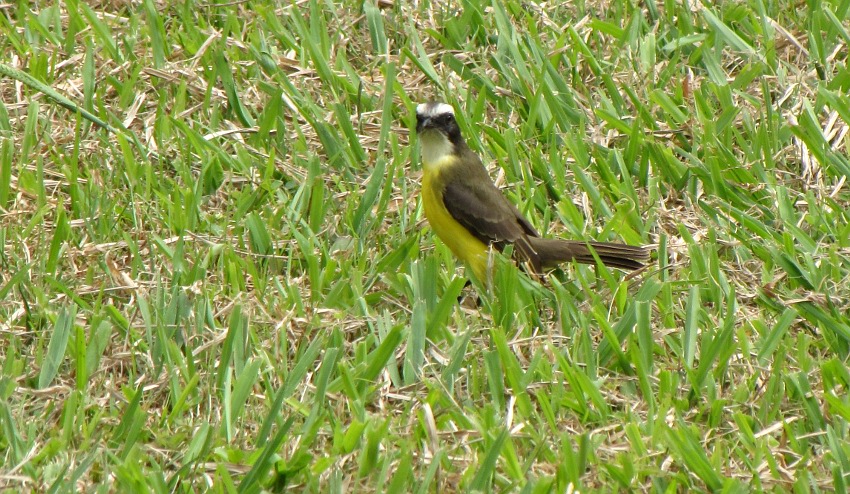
[[448, 118]]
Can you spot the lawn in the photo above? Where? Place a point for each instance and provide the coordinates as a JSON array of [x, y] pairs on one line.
[[232, 287]]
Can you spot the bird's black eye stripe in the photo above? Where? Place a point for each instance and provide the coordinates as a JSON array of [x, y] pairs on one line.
[[444, 119]]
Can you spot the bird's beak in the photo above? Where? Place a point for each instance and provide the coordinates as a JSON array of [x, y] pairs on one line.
[[422, 123]]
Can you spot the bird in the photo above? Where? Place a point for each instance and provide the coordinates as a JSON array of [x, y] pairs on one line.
[[472, 216]]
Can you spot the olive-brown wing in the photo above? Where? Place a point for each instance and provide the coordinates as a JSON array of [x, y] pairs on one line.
[[490, 217]]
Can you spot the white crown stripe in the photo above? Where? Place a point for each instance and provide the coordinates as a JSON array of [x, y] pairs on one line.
[[433, 109]]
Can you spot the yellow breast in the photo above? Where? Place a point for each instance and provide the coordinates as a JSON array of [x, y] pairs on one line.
[[462, 243]]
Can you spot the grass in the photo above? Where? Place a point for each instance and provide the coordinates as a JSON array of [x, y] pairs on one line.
[[239, 293]]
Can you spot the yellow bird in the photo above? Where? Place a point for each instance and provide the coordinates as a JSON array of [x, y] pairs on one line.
[[471, 215]]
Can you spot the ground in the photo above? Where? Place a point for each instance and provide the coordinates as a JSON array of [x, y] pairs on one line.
[[236, 289]]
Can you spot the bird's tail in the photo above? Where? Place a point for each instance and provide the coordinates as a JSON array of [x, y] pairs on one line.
[[553, 251]]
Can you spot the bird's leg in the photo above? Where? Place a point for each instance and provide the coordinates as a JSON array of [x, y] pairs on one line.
[[462, 297]]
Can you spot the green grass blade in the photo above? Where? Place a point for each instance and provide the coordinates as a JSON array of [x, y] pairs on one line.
[[58, 343]]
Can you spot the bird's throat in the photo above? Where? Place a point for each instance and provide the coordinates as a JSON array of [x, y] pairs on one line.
[[437, 150]]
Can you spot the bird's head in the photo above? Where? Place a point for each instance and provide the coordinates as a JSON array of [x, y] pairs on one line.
[[438, 131], [435, 115]]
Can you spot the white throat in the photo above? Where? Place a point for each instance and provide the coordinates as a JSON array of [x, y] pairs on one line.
[[436, 148]]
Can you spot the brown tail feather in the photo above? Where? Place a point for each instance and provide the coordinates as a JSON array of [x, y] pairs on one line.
[[552, 251]]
